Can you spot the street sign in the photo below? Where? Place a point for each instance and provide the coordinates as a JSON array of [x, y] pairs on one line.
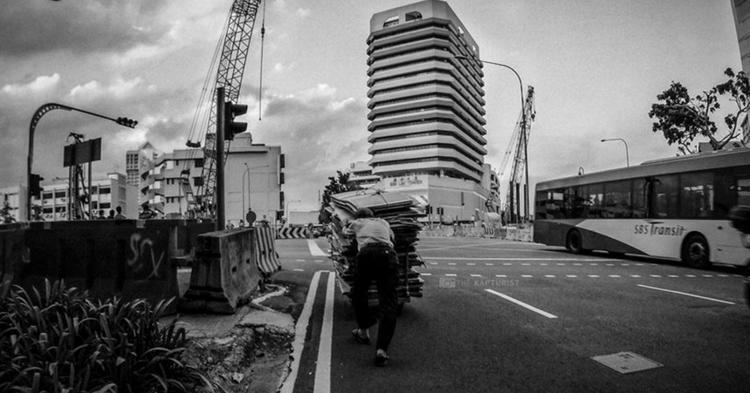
[[83, 153]]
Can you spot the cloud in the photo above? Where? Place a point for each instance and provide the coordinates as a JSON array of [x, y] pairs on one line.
[[303, 13], [40, 84], [79, 27]]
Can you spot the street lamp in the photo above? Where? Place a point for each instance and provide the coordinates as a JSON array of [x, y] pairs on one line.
[[123, 121], [247, 173], [523, 131], [627, 154]]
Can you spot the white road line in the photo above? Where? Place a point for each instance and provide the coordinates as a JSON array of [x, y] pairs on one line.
[[707, 275], [527, 276], [298, 270], [522, 304], [425, 274], [433, 263], [549, 275], [517, 259], [593, 276], [450, 275], [593, 264], [299, 334], [185, 270], [577, 264], [635, 276], [314, 249], [470, 264], [614, 275], [490, 264], [319, 261], [722, 275], [560, 264], [572, 276], [544, 264], [452, 264], [690, 275], [686, 294], [500, 275], [655, 275], [525, 264], [507, 264], [672, 275], [323, 367], [476, 275]]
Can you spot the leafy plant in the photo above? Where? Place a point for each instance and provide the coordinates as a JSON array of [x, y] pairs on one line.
[[682, 118], [60, 340]]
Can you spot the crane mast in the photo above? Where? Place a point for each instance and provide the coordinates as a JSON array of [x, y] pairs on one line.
[[519, 144], [236, 44]]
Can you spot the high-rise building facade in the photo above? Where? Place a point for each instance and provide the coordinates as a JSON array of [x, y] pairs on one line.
[[741, 11], [426, 107]]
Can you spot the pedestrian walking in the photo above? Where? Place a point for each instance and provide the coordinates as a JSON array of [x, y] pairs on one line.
[[376, 261]]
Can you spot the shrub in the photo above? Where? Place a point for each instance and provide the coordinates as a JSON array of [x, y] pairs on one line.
[[61, 340]]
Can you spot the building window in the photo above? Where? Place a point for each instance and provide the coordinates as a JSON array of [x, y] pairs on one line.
[[197, 181], [414, 15], [105, 190], [199, 163], [60, 194], [392, 21]]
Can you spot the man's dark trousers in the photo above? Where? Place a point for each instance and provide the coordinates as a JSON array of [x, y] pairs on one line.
[[377, 263]]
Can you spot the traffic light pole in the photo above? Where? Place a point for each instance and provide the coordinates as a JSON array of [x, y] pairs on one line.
[[123, 121], [220, 128]]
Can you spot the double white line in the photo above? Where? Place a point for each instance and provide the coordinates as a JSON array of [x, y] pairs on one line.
[[323, 368]]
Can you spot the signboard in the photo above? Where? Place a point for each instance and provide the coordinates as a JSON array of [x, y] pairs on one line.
[[83, 153]]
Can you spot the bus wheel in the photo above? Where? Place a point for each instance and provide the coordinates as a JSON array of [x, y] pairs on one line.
[[574, 242], [695, 252]]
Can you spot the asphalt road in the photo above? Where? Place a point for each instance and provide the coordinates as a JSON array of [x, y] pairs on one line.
[[519, 317]]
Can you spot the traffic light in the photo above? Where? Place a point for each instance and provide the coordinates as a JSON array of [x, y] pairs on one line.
[[428, 209], [124, 121], [34, 188], [232, 127]]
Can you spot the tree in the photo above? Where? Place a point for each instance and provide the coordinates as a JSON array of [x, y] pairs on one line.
[[338, 184], [681, 118]]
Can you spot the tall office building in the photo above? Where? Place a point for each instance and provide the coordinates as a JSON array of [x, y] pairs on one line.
[[427, 108], [741, 11]]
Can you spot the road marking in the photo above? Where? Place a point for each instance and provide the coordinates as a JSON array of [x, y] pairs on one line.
[[470, 264], [490, 264], [723, 275], [476, 275], [527, 276], [323, 367], [299, 334], [672, 275], [686, 294], [507, 264], [517, 259], [635, 276], [300, 260], [522, 304], [614, 275], [593, 276], [185, 270], [298, 270], [450, 275], [452, 264], [550, 276], [572, 276], [319, 261], [707, 275], [433, 263], [560, 264], [577, 264], [593, 264], [500, 275], [690, 275], [544, 264], [425, 274], [624, 264], [525, 264], [610, 264], [315, 250], [655, 275]]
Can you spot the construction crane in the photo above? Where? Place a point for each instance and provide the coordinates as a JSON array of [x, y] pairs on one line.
[[517, 150], [234, 49]]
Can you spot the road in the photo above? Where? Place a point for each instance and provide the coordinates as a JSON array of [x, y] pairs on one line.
[[519, 317]]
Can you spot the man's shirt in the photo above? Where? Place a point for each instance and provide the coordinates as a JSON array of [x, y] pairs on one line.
[[370, 231]]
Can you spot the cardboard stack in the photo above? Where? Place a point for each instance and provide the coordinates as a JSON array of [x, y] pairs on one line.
[[401, 212]]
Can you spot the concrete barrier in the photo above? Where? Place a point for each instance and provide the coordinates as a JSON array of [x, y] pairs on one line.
[[125, 258], [266, 257], [224, 274], [292, 233]]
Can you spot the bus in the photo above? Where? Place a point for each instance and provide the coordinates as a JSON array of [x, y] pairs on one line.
[[674, 208]]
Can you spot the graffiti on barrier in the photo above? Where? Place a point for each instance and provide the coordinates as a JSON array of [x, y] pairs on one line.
[[140, 259]]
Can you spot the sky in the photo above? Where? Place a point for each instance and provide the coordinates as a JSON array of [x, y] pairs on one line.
[[596, 67]]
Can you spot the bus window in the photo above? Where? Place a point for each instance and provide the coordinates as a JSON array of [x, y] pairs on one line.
[[696, 195], [617, 200], [639, 198], [594, 198], [665, 197], [743, 191]]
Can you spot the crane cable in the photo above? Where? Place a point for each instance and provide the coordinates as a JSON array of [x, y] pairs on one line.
[[262, 37]]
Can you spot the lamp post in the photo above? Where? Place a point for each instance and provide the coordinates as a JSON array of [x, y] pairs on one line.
[[247, 173], [123, 121], [627, 154], [524, 142]]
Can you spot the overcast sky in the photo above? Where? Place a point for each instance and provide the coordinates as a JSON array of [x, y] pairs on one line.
[[596, 66]]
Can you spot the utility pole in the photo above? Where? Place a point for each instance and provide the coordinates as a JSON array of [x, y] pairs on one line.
[[220, 128]]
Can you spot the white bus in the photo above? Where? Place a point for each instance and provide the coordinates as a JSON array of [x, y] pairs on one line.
[[672, 208]]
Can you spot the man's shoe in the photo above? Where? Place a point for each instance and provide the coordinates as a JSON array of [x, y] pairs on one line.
[[360, 338], [381, 358]]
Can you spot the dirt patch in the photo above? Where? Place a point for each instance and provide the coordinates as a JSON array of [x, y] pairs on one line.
[[246, 360]]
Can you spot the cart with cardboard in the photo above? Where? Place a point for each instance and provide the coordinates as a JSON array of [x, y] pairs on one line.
[[401, 212]]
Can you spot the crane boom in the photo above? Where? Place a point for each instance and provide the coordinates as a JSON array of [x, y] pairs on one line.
[[236, 44], [519, 143]]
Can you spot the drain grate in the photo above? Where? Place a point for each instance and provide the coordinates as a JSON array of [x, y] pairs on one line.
[[627, 362]]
